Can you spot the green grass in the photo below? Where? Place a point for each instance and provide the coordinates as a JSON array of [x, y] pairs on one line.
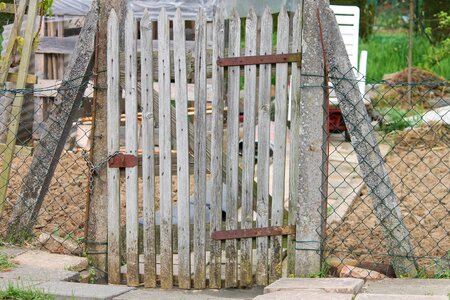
[[5, 262], [388, 53], [16, 293]]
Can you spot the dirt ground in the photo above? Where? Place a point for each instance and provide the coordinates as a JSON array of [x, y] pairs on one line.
[[421, 181]]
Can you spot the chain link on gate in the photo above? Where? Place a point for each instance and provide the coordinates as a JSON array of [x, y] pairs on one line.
[[93, 169]]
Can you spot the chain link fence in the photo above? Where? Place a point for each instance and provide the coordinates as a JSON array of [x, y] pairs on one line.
[[60, 226], [411, 123]]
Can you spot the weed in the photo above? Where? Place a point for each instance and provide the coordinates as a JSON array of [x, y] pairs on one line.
[[324, 271], [16, 293], [5, 262]]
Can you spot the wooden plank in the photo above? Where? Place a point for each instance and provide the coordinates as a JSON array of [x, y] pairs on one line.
[[262, 219], [16, 110], [311, 139], [215, 275], [385, 204], [113, 124], [29, 79], [165, 174], [200, 153], [48, 151], [18, 150], [6, 58], [131, 144], [40, 110], [49, 88], [294, 171], [56, 45], [279, 151], [148, 153], [60, 57], [259, 59], [253, 232], [232, 151], [248, 156], [184, 255], [8, 8]]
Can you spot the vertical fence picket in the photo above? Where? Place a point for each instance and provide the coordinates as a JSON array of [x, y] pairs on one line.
[[233, 150], [295, 131], [263, 148], [113, 123], [215, 275], [200, 152], [248, 149], [279, 153], [165, 171], [184, 263], [148, 160], [131, 146]]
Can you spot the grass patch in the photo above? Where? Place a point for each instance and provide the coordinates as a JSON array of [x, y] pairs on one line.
[[16, 293], [388, 53], [5, 262]]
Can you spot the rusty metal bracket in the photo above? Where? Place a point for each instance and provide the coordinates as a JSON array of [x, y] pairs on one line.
[[122, 160], [253, 232], [259, 59]]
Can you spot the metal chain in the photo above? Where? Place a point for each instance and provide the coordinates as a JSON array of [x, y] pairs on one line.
[[93, 169]]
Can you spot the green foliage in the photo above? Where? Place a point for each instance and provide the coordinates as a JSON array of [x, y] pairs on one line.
[[324, 271], [5, 262], [433, 18], [441, 51], [46, 7], [16, 293], [388, 53]]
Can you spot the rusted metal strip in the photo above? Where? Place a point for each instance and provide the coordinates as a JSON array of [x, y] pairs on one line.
[[259, 59], [123, 161], [253, 232]]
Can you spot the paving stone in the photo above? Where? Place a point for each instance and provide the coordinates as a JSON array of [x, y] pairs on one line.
[[13, 251], [46, 260], [5, 283], [399, 297], [408, 287], [304, 295], [330, 285], [39, 274], [75, 291], [176, 294]]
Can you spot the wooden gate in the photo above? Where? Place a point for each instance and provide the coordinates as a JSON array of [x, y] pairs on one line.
[[223, 222]]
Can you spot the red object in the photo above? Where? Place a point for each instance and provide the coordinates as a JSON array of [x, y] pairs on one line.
[[336, 121]]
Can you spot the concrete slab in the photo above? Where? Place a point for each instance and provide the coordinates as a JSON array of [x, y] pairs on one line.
[[50, 261], [5, 283], [176, 294], [75, 291], [398, 297], [330, 285], [39, 274], [13, 251], [408, 287], [304, 295]]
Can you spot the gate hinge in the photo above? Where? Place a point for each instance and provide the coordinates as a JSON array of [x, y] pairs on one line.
[[253, 232], [123, 160]]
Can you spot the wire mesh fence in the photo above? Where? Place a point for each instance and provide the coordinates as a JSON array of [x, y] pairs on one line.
[[61, 218], [411, 124]]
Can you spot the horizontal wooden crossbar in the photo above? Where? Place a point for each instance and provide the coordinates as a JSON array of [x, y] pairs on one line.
[[253, 232], [259, 59]]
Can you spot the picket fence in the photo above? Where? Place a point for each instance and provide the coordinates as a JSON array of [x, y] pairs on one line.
[[184, 253]]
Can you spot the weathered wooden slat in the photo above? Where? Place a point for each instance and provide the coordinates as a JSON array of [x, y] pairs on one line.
[[232, 151], [113, 124], [16, 110], [131, 145], [8, 8], [253, 232], [248, 156], [200, 153], [262, 219], [295, 131], [259, 59], [56, 45], [279, 151], [148, 155], [30, 78], [165, 174], [6, 58], [215, 275], [311, 139], [184, 255]]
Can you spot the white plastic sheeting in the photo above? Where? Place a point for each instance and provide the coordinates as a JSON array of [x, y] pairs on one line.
[[189, 8]]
